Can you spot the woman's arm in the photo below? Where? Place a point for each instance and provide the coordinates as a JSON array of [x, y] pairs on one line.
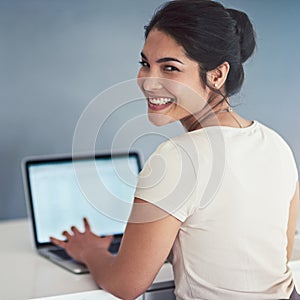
[[144, 248], [293, 216]]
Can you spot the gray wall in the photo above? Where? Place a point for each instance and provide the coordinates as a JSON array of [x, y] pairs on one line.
[[57, 55]]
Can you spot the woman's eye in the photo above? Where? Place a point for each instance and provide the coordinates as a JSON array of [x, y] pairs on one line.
[[144, 64], [171, 69]]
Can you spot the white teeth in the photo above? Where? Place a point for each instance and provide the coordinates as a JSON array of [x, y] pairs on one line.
[[160, 101]]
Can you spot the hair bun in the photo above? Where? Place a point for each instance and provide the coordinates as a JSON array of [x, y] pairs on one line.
[[245, 32]]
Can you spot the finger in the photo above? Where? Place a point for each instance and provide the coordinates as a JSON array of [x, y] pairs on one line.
[[86, 224], [58, 242], [75, 230], [109, 238], [66, 234]]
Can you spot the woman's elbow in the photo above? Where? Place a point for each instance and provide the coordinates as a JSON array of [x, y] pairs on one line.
[[126, 290], [128, 296]]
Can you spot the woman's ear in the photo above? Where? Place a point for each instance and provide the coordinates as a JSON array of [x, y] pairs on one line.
[[216, 78]]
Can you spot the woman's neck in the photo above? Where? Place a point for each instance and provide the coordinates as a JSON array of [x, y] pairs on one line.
[[223, 116]]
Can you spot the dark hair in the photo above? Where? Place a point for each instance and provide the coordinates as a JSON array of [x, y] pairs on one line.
[[210, 35]]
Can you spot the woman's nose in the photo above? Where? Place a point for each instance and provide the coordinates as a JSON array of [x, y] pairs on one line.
[[152, 84]]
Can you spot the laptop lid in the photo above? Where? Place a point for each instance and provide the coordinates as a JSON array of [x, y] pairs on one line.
[[60, 191]]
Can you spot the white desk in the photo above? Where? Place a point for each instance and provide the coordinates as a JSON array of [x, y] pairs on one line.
[[24, 274]]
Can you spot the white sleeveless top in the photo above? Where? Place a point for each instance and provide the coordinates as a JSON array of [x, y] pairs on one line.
[[231, 188]]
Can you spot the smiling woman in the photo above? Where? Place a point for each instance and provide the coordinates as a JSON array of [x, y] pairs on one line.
[[164, 62], [221, 200]]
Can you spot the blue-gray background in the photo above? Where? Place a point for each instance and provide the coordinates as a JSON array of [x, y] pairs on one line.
[[56, 55]]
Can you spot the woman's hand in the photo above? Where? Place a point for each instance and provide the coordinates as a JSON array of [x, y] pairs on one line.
[[77, 242]]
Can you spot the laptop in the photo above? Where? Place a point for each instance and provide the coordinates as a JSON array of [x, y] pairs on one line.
[[62, 190]]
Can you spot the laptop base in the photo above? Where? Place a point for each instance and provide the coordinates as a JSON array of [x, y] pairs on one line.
[[68, 264]]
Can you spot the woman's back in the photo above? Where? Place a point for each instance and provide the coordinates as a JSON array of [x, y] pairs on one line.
[[232, 243]]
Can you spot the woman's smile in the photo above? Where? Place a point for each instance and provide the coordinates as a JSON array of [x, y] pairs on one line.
[[159, 103]]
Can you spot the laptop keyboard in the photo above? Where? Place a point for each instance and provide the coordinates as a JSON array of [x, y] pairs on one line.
[[114, 247], [61, 253]]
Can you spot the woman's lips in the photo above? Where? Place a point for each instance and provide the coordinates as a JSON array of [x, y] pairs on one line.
[[157, 107], [157, 103]]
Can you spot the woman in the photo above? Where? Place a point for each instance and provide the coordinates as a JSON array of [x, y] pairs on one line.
[[226, 202]]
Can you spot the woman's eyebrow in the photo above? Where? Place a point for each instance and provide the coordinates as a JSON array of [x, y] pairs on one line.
[[164, 59]]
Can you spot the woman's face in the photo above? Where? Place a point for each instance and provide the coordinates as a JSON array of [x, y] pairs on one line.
[[169, 80]]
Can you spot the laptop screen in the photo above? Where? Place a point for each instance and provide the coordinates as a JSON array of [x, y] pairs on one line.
[[61, 192]]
